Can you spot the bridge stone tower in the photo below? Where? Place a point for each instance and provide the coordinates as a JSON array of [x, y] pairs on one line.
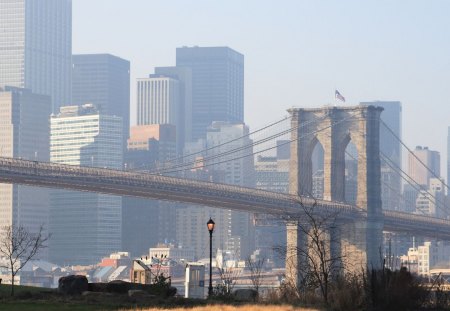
[[334, 127]]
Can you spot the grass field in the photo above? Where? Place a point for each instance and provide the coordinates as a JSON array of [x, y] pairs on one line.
[[47, 300], [233, 308], [5, 290], [41, 306], [50, 306]]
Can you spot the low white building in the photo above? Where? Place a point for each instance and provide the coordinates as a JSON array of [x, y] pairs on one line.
[[169, 251]]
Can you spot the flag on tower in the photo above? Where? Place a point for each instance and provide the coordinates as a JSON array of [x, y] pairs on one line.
[[339, 96]]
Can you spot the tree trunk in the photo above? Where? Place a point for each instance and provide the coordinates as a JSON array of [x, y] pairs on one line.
[[12, 284]]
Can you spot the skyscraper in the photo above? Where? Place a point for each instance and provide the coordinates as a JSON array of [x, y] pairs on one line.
[[236, 230], [24, 133], [421, 157], [184, 76], [104, 80], [159, 102], [36, 47], [147, 222], [85, 226], [217, 85]]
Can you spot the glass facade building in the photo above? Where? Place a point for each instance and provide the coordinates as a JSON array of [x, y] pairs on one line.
[[85, 226], [104, 80], [36, 47], [24, 133], [159, 102], [217, 85]]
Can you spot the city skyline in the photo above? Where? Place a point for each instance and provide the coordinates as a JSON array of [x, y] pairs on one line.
[[304, 52]]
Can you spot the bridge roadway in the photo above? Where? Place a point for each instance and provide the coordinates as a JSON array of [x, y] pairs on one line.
[[151, 186]]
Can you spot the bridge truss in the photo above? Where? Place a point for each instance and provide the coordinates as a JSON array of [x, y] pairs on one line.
[[154, 186]]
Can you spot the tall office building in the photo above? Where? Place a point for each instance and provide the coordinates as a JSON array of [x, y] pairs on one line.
[[191, 219], [85, 226], [146, 223], [237, 233], [184, 76], [159, 102], [36, 47], [391, 148], [217, 85], [271, 174], [104, 80], [419, 173], [24, 133]]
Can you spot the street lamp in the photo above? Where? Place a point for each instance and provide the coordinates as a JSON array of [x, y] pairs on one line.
[[210, 224]]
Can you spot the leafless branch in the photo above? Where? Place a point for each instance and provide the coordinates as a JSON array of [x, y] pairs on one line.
[[18, 246]]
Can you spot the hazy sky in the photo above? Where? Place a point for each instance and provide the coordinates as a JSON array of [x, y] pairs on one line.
[[296, 52]]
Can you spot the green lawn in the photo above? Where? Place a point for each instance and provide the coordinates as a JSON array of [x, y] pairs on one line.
[[49, 306], [5, 290]]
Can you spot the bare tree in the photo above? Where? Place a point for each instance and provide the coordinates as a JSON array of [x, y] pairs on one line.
[[321, 260], [228, 276], [256, 269], [18, 246]]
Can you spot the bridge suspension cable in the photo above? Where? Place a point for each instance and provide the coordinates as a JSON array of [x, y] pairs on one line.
[[413, 154], [177, 159], [189, 165], [413, 183], [203, 164], [395, 191]]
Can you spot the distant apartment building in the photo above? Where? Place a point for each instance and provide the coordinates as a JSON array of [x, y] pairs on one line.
[[36, 47], [148, 222], [85, 226], [171, 252], [24, 133], [318, 184], [271, 174], [104, 80], [238, 169], [431, 201], [217, 85], [409, 198], [422, 259], [235, 230], [424, 164], [351, 177]]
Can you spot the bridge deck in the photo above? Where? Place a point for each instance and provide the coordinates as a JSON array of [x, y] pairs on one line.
[[159, 187]]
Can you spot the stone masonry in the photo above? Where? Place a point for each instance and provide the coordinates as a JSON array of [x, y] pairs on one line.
[[334, 128]]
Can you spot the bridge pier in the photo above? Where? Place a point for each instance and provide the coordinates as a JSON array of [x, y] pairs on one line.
[[334, 127], [295, 261], [362, 246], [336, 252]]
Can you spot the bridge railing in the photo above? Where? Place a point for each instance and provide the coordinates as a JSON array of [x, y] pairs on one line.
[[56, 173], [94, 174]]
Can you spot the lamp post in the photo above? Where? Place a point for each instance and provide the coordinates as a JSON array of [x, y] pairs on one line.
[[210, 224]]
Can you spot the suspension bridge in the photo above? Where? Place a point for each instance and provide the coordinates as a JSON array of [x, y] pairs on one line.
[[332, 127]]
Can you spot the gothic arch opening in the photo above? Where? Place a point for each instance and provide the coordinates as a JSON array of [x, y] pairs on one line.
[[351, 172], [317, 165]]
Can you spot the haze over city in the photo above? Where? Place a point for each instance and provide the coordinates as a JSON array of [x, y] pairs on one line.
[[197, 153], [296, 52]]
